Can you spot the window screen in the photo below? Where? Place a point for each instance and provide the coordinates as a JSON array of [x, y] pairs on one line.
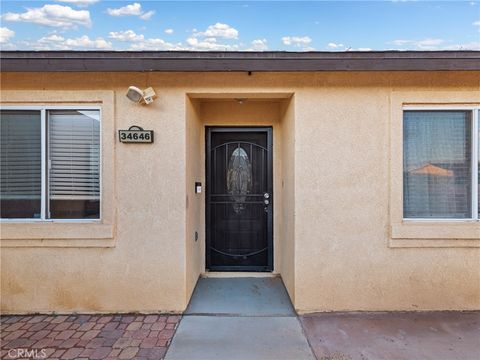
[[74, 168], [437, 164], [20, 187]]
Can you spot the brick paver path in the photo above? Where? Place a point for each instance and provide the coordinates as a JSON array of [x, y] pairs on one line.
[[87, 336]]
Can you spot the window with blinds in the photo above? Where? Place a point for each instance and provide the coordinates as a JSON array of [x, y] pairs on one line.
[[20, 166], [74, 164], [437, 171], [50, 164]]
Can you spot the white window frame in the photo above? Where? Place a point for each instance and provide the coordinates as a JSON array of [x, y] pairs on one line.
[[44, 158], [475, 150]]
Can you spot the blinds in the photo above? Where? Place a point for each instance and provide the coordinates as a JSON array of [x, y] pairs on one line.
[[20, 155], [437, 164], [74, 155]]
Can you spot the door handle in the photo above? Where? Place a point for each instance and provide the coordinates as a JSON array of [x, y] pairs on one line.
[[266, 196]]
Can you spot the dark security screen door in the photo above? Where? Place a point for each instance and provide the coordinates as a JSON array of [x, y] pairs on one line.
[[239, 199]]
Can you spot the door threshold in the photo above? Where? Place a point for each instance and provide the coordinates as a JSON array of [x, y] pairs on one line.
[[238, 274]]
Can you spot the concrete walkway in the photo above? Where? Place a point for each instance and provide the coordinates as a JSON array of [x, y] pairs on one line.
[[253, 319], [239, 319], [243, 319], [240, 297]]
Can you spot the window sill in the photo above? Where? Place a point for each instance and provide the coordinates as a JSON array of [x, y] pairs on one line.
[[57, 234], [435, 234]]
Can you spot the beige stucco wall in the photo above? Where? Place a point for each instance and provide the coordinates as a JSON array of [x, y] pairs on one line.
[[334, 195], [140, 265], [194, 169], [287, 190]]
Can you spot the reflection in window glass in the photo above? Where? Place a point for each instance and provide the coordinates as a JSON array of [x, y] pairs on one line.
[[20, 169], [74, 152], [437, 164]]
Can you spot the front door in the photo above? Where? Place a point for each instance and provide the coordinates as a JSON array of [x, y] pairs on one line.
[[239, 199]]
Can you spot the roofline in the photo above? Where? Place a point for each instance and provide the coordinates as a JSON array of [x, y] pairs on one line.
[[201, 61]]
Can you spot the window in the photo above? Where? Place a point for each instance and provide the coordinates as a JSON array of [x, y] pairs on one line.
[[440, 168], [20, 170], [50, 164]]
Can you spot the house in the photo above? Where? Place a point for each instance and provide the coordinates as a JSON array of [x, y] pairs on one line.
[[309, 166]]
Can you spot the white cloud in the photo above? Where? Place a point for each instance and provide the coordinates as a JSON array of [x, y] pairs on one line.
[[259, 45], [52, 42], [155, 44], [335, 46], [52, 15], [8, 46], [429, 43], [358, 49], [128, 35], [400, 42], [209, 44], [341, 47], [169, 31], [425, 44], [139, 42], [56, 42], [296, 40], [435, 44], [52, 38], [477, 24], [218, 30], [147, 15], [6, 34], [85, 42], [466, 46], [79, 3], [134, 9], [208, 39]]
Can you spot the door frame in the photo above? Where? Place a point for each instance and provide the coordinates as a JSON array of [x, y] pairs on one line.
[[208, 135]]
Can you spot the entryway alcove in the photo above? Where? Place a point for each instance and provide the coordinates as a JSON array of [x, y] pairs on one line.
[[235, 243]]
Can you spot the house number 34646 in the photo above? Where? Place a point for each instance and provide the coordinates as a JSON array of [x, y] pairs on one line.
[[135, 134]]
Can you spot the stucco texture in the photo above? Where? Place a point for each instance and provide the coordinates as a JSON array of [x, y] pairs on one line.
[[335, 199]]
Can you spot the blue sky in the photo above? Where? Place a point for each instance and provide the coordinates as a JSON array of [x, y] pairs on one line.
[[240, 25]]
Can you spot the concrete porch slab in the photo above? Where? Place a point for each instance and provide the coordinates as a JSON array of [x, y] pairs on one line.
[[239, 338], [398, 335], [240, 297]]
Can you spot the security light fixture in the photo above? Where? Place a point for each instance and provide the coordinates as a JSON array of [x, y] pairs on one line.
[[141, 96]]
